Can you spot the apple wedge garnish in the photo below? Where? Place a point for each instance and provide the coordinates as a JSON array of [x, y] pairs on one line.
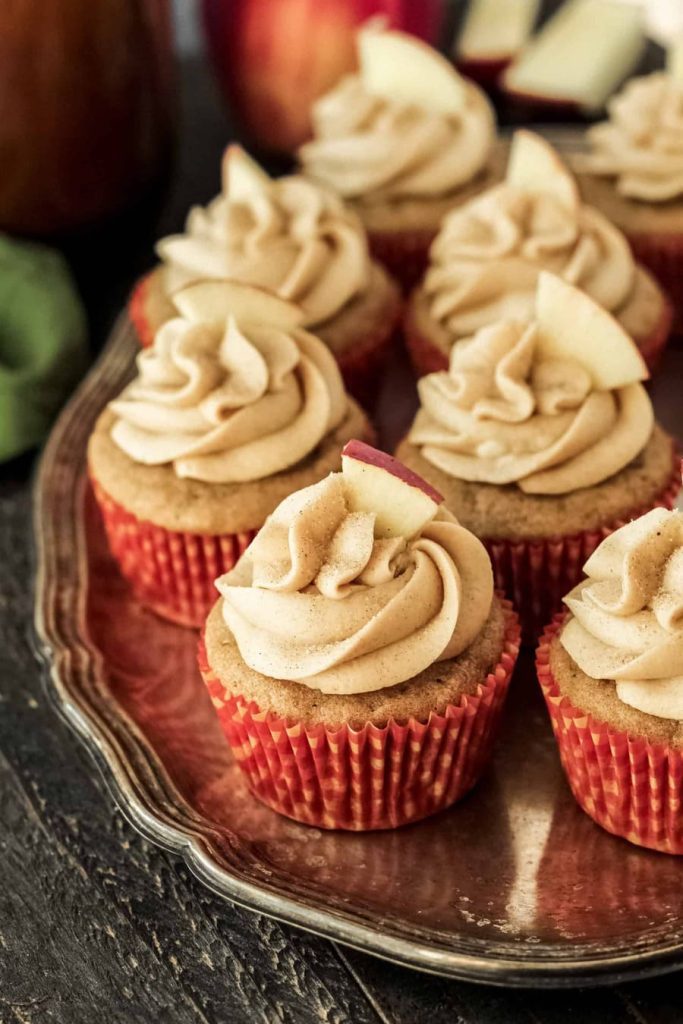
[[572, 326], [401, 68], [534, 166], [212, 301], [580, 55], [376, 482], [674, 60], [496, 31], [242, 177]]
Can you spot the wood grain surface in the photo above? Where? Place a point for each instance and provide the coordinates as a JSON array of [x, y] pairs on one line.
[[97, 926]]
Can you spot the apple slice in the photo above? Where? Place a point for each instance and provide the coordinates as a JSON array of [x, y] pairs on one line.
[[534, 166], [581, 54], [573, 326], [242, 177], [401, 68], [214, 301], [674, 60], [376, 482], [496, 31]]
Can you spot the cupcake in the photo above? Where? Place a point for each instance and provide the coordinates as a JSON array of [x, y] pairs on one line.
[[543, 440], [634, 174], [358, 658], [485, 262], [233, 407], [294, 238], [403, 140], [611, 676]]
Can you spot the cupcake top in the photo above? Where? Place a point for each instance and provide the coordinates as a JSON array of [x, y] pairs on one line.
[[550, 405], [232, 390], [407, 124], [358, 582], [485, 261], [289, 235], [627, 617], [641, 145]]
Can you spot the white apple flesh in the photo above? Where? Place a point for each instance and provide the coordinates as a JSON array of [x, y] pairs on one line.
[[402, 501], [401, 68], [211, 301], [572, 326], [495, 30], [242, 177], [534, 166], [674, 60], [581, 54]]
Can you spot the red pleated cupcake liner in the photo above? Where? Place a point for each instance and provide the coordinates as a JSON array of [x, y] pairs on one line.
[[372, 777], [405, 254], [426, 356], [631, 787], [536, 574], [137, 310], [662, 254], [171, 572], [362, 364]]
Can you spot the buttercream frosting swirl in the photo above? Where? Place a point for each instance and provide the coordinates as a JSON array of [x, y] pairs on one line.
[[486, 259], [227, 404], [627, 617], [641, 145], [370, 149], [318, 599], [503, 414], [291, 236]]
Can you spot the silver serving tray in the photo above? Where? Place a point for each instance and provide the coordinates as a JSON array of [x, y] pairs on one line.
[[514, 886]]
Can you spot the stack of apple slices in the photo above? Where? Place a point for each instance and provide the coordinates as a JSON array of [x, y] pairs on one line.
[[492, 35]]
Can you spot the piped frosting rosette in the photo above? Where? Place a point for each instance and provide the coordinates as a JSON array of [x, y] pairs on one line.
[[359, 584], [233, 394], [290, 236], [319, 599], [405, 125], [627, 616], [489, 252], [552, 405], [233, 399], [641, 145]]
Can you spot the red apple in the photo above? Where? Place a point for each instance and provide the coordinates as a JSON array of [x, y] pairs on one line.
[[275, 57], [86, 109], [376, 482]]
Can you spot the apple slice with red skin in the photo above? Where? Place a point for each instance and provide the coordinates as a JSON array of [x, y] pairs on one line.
[[242, 177], [214, 301], [376, 482]]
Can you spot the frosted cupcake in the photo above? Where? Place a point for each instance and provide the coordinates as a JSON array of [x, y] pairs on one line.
[[358, 659], [485, 262], [634, 173], [612, 675], [542, 438], [296, 239], [403, 141], [233, 407]]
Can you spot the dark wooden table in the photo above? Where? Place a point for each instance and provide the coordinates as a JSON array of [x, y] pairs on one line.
[[99, 927]]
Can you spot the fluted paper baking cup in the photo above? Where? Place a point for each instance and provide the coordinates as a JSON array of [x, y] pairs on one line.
[[537, 573], [372, 777], [662, 254], [405, 254], [170, 572], [629, 786], [361, 364]]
